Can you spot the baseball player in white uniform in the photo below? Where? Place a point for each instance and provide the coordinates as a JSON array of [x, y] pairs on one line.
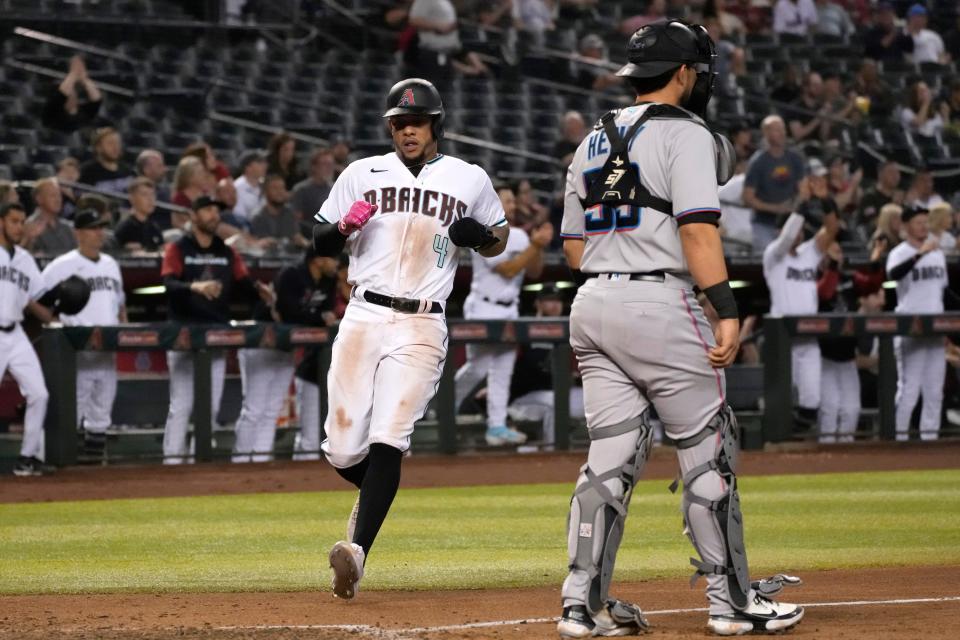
[[495, 295], [96, 370], [20, 287], [790, 267], [920, 270], [404, 213], [640, 223]]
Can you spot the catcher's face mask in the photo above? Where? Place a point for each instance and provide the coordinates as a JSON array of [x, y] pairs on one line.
[[706, 76]]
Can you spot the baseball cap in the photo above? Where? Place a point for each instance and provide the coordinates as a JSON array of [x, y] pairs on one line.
[[816, 168], [912, 212], [207, 201], [549, 291], [89, 219], [916, 10]]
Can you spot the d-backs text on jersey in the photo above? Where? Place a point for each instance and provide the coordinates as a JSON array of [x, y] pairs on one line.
[[416, 200]]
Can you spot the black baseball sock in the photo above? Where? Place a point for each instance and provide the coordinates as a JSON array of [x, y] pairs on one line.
[[354, 475], [377, 492]]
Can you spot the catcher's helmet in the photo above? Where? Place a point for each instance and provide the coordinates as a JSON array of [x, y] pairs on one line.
[[658, 48], [72, 296], [415, 96]]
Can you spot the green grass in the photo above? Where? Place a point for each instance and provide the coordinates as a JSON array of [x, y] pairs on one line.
[[461, 538]]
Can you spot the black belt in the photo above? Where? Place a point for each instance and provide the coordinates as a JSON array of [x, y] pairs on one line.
[[8, 328], [400, 305], [649, 276], [498, 302]]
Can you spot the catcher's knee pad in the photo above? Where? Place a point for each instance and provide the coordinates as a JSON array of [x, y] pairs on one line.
[[725, 510], [597, 512]]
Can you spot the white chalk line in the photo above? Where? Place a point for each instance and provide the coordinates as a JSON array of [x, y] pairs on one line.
[[401, 633]]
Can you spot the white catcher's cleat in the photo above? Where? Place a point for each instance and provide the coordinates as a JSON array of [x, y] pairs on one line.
[[617, 618], [761, 615], [346, 560]]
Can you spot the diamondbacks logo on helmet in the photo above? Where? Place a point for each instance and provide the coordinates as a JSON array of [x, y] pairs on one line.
[[407, 99]]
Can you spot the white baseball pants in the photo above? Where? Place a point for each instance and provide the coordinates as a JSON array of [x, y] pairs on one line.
[[805, 365], [307, 443], [921, 367], [180, 365], [18, 356], [96, 389], [839, 400], [265, 377], [495, 363], [538, 405], [384, 370]]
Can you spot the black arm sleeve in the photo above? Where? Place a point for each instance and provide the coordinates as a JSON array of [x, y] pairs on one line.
[[902, 269], [176, 286], [951, 301], [327, 240], [50, 297]]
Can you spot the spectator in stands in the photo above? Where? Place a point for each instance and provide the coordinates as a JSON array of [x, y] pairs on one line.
[[952, 101], [735, 215], [138, 231], [794, 17], [309, 194], [839, 110], [8, 193], [572, 131], [531, 389], [105, 171], [874, 95], [741, 136], [64, 109], [941, 220], [885, 191], [68, 170], [927, 44], [208, 156], [275, 219], [530, 213], [884, 41], [730, 62], [282, 158], [731, 26], [439, 47], [755, 17], [921, 194], [789, 89], [230, 223], [772, 182], [151, 165], [951, 39], [889, 228], [843, 185], [44, 232], [656, 12], [921, 115], [535, 18], [253, 167], [805, 117], [190, 181], [341, 155], [593, 73], [833, 20]]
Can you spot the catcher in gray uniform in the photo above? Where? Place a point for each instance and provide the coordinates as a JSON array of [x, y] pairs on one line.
[[640, 225]]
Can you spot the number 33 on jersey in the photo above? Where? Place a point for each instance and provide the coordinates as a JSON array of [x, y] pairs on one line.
[[404, 250]]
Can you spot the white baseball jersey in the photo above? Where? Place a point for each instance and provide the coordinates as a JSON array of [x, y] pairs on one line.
[[106, 287], [20, 282], [489, 284], [792, 277], [404, 250], [676, 161], [921, 290]]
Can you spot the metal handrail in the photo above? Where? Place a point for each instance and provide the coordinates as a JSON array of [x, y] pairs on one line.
[[257, 126], [106, 87]]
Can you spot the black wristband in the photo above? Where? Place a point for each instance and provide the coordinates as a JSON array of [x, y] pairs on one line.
[[721, 297]]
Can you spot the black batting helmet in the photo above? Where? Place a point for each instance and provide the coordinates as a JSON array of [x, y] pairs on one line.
[[72, 296], [658, 48], [415, 96]]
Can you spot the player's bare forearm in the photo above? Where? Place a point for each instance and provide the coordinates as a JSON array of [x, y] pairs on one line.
[[40, 312], [497, 248], [529, 260], [573, 251], [828, 232], [703, 250]]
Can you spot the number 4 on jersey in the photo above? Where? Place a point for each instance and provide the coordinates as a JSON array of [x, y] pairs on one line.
[[440, 246]]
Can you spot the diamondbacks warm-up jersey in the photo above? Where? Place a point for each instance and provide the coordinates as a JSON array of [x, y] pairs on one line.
[[20, 282], [404, 249], [921, 290], [489, 284], [792, 279], [677, 162], [106, 287]]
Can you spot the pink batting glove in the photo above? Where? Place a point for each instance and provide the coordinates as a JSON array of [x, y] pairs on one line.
[[360, 212]]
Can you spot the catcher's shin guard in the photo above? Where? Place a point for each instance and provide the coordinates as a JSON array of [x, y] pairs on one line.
[[725, 511], [598, 511]]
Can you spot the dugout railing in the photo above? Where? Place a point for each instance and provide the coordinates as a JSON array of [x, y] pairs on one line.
[[780, 332], [59, 347]]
